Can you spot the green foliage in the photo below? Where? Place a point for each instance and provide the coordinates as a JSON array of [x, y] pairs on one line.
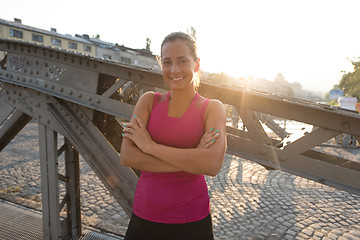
[[97, 36], [148, 44], [350, 82], [192, 32]]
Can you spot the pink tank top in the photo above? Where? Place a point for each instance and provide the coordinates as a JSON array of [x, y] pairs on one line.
[[177, 197]]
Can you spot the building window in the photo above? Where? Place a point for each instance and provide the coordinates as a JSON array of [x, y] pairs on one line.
[[72, 45], [107, 57], [37, 37], [126, 60], [87, 48], [16, 33], [56, 41]]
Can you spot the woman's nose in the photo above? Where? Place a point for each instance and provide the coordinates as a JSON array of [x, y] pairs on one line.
[[175, 68]]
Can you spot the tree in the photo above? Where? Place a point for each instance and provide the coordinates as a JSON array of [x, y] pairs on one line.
[[350, 82], [148, 43], [97, 36], [192, 32]]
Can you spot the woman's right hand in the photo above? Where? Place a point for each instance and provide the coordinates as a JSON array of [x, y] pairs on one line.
[[208, 138]]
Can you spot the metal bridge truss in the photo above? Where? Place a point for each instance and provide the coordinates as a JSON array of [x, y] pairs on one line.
[[83, 98]]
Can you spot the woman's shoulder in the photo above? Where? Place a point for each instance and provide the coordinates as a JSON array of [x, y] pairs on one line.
[[146, 99], [212, 103], [149, 97], [215, 105]]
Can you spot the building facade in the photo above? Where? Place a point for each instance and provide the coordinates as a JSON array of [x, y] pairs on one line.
[[78, 43], [137, 57], [18, 31]]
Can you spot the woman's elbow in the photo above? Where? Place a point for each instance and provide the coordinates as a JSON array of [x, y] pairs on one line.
[[124, 158], [215, 167]]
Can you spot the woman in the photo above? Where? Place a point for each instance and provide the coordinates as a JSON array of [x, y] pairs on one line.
[[167, 141]]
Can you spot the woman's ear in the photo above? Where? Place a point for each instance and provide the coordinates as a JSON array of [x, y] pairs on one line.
[[197, 66]]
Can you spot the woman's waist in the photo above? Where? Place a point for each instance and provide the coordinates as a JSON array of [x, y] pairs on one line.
[[177, 184]]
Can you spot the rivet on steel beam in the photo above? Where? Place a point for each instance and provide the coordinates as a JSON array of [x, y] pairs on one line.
[[46, 64], [24, 79], [9, 99], [53, 87], [98, 101], [46, 74], [48, 121], [31, 72], [19, 94], [11, 76], [18, 78], [37, 62], [61, 89], [90, 99], [37, 72], [7, 75], [45, 85], [70, 93], [14, 101], [345, 125], [80, 96], [30, 81]]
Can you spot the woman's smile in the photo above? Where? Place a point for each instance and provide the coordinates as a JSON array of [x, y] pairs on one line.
[[176, 78]]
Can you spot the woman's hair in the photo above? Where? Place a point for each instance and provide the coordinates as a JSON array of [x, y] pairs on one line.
[[190, 42]]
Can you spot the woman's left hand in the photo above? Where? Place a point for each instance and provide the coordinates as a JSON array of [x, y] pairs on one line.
[[137, 133]]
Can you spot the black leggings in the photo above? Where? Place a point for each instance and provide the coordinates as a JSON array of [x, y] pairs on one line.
[[139, 229]]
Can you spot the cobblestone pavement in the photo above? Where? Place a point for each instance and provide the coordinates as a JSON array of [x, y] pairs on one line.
[[247, 201]]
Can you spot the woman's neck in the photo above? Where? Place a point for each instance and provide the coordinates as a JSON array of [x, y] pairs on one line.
[[183, 95]]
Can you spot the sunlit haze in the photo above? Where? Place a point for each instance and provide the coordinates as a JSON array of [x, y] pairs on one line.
[[308, 41]]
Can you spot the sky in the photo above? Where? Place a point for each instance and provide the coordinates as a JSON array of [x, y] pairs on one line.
[[309, 41]]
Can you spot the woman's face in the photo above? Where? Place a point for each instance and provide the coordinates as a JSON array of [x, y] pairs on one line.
[[178, 65]]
